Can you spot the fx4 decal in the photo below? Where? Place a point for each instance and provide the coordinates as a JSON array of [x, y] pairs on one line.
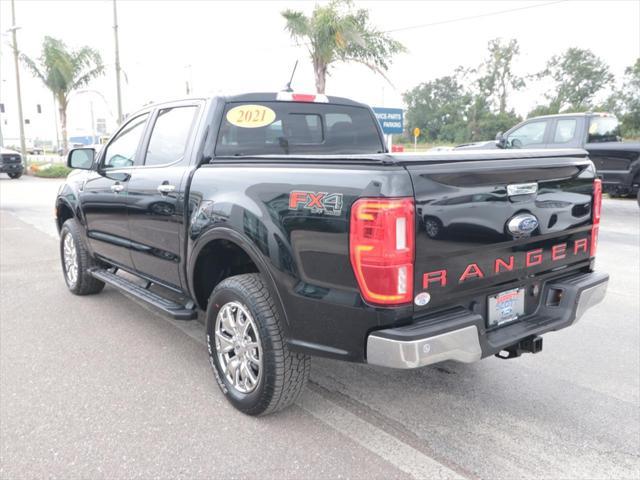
[[316, 202]]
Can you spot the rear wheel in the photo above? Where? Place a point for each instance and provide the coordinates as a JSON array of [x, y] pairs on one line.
[[76, 261], [15, 175], [433, 227], [250, 358]]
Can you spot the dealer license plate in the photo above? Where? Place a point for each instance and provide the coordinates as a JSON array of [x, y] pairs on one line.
[[506, 307]]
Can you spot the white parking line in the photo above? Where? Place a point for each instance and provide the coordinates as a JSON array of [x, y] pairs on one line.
[[399, 454]]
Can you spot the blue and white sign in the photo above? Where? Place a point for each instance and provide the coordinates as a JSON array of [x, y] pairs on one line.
[[391, 119]]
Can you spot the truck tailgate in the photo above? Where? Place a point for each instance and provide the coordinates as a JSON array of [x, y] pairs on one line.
[[497, 224]]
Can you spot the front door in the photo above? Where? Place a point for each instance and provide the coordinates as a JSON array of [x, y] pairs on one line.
[[529, 135], [104, 195], [156, 194]]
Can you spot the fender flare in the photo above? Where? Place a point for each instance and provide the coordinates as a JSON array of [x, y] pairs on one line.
[[242, 242], [63, 202], [76, 210]]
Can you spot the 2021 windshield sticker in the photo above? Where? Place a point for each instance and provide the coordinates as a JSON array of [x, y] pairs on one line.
[[251, 116], [316, 202]]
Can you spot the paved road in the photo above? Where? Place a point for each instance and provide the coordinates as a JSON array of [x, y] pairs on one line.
[[102, 387]]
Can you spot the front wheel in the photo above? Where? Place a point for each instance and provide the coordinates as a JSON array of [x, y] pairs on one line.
[[250, 358], [15, 175], [76, 261]]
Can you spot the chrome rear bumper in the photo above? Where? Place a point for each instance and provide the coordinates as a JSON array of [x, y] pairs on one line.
[[415, 345]]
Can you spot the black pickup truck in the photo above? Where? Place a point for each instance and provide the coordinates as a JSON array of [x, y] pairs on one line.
[[617, 162], [283, 217], [11, 163]]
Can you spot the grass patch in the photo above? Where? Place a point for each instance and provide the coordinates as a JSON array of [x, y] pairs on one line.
[[54, 171]]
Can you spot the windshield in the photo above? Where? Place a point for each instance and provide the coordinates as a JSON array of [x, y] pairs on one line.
[[267, 128], [604, 129]]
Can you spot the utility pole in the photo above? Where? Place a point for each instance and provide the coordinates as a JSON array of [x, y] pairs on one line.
[[55, 121], [115, 33], [23, 145]]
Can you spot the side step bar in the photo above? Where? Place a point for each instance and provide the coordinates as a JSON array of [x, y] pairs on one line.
[[171, 308]]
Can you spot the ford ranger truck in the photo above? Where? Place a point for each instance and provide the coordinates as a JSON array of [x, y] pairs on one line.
[[283, 218]]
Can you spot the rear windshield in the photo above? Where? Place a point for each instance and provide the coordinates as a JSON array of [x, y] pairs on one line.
[[604, 129], [267, 128]]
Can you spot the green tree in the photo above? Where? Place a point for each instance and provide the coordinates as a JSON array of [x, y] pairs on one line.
[[338, 33], [439, 108], [629, 109], [63, 71], [540, 110], [498, 78], [578, 76]]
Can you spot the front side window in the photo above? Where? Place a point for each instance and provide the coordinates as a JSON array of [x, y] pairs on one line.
[[121, 151], [528, 134], [170, 134], [565, 130]]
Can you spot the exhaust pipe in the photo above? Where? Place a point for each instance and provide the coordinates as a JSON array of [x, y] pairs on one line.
[[531, 344]]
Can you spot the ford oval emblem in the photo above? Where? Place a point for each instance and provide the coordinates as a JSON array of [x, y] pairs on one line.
[[522, 225]]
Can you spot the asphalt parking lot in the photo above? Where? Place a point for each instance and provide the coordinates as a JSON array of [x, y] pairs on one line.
[[102, 387]]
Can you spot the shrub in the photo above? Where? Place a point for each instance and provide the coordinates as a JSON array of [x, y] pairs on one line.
[[54, 171]]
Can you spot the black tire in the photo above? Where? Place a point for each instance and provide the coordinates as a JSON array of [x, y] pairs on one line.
[[15, 176], [84, 283], [433, 227], [638, 197], [283, 373]]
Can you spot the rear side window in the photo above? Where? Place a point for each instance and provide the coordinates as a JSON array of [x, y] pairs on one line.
[[565, 130], [265, 128], [604, 129], [170, 134]]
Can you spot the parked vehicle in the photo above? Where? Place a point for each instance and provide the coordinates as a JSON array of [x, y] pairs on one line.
[[617, 162], [283, 217], [11, 163]]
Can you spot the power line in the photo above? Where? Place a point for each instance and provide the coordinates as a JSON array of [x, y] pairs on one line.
[[472, 17]]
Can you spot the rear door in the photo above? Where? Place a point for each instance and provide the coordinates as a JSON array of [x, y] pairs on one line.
[[104, 194], [566, 132], [498, 224], [156, 193]]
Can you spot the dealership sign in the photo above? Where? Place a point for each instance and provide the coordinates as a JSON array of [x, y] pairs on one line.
[[390, 119]]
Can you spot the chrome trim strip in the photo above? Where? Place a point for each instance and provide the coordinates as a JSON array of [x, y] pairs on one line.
[[461, 345], [590, 297]]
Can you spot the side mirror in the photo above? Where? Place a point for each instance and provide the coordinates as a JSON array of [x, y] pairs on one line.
[[81, 158], [501, 141]]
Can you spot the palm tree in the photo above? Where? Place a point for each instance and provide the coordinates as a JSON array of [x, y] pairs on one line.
[[336, 33], [63, 71]]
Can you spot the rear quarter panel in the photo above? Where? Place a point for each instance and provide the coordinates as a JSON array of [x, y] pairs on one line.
[[305, 251]]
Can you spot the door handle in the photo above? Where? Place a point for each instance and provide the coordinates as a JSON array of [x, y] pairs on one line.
[[165, 188], [117, 188]]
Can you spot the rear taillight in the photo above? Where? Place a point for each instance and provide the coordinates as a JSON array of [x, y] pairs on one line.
[[382, 249], [597, 209]]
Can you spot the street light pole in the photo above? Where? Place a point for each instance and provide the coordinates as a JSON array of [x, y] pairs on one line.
[[115, 33], [23, 145]]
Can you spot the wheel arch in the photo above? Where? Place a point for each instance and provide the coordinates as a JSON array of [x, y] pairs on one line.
[[64, 211], [209, 244]]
